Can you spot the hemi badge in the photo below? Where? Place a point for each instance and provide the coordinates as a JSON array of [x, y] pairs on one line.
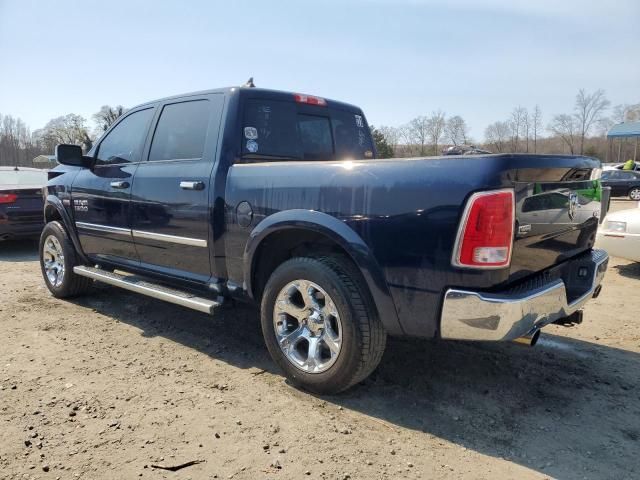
[[524, 229]]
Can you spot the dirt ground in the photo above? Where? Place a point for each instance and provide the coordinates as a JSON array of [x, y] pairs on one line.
[[110, 384]]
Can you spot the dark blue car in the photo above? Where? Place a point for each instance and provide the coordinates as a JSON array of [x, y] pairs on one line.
[[277, 198], [21, 202]]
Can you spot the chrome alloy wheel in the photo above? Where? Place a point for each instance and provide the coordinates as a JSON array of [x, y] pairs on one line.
[[53, 261], [635, 194], [307, 326]]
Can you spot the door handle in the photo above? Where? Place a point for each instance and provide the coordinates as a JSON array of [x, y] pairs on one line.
[[192, 185], [119, 184]]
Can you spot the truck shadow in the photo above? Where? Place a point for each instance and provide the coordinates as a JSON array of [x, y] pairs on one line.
[[631, 270], [566, 408]]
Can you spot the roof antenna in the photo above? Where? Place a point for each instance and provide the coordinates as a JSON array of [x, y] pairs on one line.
[[249, 83]]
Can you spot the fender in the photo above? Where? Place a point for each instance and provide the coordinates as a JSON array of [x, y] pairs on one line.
[[344, 236], [54, 202]]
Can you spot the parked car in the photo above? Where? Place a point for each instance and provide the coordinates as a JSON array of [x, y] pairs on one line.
[[246, 193], [464, 150], [618, 166], [620, 234], [623, 183], [21, 202]]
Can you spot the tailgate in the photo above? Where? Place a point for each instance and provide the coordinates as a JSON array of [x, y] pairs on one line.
[[557, 214]]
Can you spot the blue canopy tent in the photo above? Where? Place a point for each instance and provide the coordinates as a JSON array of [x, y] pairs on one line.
[[623, 131]]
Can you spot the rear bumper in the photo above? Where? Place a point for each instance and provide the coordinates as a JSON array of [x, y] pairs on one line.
[[468, 315]]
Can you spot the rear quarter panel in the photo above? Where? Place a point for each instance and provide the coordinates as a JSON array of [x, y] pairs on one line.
[[405, 211]]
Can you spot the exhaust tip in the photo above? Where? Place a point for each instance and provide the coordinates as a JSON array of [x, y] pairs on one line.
[[597, 291], [528, 340], [535, 338]]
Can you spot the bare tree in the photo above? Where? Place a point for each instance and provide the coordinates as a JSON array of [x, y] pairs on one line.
[[456, 130], [497, 135], [107, 115], [435, 129], [392, 135], [516, 123], [589, 111], [567, 127], [526, 129], [536, 125], [17, 144], [69, 128], [625, 113], [418, 131]]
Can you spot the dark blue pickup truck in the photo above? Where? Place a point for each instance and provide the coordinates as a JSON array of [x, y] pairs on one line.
[[277, 198]]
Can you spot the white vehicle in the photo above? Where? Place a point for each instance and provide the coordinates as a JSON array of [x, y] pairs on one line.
[[619, 234]]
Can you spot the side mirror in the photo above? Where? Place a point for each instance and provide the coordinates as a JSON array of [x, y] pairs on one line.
[[72, 155]]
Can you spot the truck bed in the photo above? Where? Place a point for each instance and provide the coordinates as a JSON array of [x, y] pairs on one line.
[[407, 211]]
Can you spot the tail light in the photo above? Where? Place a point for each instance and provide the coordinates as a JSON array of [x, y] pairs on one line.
[[8, 197], [485, 236], [309, 99]]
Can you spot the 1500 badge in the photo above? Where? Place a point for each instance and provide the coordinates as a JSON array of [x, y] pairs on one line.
[[81, 205]]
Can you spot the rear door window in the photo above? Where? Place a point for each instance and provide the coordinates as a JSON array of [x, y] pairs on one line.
[[181, 132]]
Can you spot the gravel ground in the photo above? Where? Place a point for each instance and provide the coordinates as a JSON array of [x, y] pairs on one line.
[[112, 384]]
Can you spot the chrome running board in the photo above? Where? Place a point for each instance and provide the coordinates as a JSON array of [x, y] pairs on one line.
[[139, 285]]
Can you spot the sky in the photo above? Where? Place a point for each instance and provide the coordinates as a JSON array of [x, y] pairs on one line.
[[396, 59]]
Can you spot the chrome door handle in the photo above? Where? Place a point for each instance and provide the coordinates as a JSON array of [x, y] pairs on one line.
[[119, 184], [192, 185]]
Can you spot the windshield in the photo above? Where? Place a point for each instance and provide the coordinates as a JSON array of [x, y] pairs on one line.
[[286, 130]]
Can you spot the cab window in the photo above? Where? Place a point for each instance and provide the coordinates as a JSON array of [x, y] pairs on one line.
[[124, 143], [181, 132]]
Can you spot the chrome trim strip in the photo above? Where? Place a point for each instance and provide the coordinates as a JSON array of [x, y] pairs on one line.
[[103, 228], [161, 237], [138, 285], [468, 315]]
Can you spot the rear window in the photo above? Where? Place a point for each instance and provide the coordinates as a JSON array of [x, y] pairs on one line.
[[23, 177], [283, 130]]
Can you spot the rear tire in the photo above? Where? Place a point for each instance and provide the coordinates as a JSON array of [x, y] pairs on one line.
[[57, 259], [349, 342], [634, 194]]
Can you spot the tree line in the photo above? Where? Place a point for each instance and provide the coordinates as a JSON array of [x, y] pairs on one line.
[[19, 145], [581, 131]]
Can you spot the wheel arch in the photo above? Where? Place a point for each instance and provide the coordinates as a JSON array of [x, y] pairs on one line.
[[292, 231], [54, 210]]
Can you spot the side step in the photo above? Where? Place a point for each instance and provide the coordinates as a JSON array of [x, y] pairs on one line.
[[140, 285]]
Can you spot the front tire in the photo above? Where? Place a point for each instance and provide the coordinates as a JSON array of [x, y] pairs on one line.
[[319, 325], [57, 259], [634, 194]]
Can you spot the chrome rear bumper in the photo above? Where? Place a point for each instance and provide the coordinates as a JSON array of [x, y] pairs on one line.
[[468, 315]]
